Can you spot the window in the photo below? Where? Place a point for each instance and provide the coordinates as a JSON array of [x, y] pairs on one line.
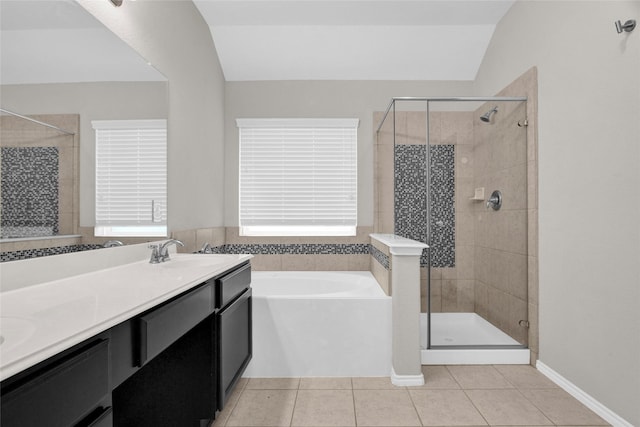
[[298, 177], [131, 178]]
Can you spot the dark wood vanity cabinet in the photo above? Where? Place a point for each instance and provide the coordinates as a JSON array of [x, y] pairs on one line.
[[234, 333], [70, 389], [174, 365]]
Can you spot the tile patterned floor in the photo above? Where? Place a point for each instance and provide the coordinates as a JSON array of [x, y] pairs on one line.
[[507, 395]]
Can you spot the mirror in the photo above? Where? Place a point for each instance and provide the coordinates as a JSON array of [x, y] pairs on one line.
[[61, 66]]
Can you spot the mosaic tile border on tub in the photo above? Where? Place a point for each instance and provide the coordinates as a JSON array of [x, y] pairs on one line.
[[37, 253], [295, 249], [378, 255]]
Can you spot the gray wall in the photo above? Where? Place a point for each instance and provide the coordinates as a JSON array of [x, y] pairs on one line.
[[589, 203], [173, 36], [355, 99]]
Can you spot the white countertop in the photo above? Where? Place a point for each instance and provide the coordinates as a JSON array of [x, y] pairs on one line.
[[39, 321]]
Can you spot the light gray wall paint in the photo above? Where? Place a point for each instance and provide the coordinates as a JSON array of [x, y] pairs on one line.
[[92, 101], [589, 203], [354, 99], [173, 36]]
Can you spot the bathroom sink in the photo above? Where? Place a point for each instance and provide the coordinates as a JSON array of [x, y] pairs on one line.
[[189, 261], [14, 331]]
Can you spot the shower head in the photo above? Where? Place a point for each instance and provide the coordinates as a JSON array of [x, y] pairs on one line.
[[486, 117]]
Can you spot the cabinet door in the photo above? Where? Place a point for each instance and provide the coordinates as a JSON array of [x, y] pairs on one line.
[[63, 394], [234, 344]]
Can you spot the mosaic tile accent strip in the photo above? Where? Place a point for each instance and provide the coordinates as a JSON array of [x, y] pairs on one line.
[[379, 256], [29, 191], [411, 200], [298, 249], [443, 206], [254, 249], [35, 253]]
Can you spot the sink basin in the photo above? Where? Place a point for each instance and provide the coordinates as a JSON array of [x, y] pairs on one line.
[[14, 331], [194, 261]]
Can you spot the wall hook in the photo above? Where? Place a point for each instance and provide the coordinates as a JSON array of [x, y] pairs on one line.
[[628, 26]]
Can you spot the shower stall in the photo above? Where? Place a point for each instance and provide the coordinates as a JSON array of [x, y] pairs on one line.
[[38, 167], [452, 173]]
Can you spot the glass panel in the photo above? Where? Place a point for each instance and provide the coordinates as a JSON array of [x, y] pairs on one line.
[[476, 271]]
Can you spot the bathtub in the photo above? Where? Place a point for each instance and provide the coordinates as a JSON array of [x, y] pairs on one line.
[[315, 324]]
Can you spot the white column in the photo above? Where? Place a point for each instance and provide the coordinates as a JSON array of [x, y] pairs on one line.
[[406, 369]]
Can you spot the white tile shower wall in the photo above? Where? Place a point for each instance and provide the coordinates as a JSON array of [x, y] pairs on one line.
[[501, 272]]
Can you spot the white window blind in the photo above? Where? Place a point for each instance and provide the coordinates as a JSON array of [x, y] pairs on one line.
[[131, 177], [298, 176]]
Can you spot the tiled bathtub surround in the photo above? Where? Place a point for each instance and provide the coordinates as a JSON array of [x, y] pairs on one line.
[[380, 257], [296, 249], [286, 253], [40, 252]]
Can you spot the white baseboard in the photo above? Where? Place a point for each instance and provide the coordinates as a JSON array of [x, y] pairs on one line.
[[607, 414], [406, 380]]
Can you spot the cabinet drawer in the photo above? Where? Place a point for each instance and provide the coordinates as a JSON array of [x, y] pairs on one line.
[[231, 285], [163, 326], [63, 394]]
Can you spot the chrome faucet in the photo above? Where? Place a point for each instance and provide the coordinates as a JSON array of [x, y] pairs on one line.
[[160, 253], [164, 249], [206, 249], [111, 243]]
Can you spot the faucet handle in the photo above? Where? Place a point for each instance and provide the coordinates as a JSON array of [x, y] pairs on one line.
[[155, 254]]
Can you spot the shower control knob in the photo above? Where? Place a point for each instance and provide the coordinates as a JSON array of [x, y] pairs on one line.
[[495, 201]]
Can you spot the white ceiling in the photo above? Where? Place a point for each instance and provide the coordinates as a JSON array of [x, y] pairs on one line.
[[351, 39], [57, 41]]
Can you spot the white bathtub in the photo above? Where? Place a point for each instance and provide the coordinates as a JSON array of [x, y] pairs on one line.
[[309, 324]]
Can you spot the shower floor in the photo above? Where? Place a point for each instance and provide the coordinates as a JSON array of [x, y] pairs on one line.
[[468, 329]]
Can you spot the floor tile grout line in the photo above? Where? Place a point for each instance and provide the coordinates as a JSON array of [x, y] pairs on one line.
[[453, 376], [295, 402], [415, 408], [240, 392], [504, 377], [475, 407], [538, 408], [353, 401], [413, 404]]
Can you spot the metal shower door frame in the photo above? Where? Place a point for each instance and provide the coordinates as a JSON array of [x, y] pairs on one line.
[[428, 100]]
